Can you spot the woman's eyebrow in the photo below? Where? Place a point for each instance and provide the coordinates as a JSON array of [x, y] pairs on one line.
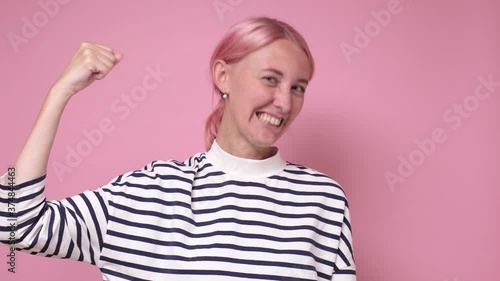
[[305, 81]]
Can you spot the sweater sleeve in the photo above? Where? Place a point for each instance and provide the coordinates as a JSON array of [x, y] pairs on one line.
[[71, 228], [345, 268]]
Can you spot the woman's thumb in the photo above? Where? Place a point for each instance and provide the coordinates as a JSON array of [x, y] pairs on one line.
[[119, 57]]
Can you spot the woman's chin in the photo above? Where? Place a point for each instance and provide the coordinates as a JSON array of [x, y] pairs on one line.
[[266, 140]]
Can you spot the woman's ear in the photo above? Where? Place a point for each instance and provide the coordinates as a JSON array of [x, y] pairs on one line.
[[221, 75]]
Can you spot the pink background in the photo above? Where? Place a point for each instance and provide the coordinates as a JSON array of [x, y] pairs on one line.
[[440, 223]]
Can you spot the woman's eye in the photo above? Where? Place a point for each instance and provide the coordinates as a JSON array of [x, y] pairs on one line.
[[299, 89], [271, 79]]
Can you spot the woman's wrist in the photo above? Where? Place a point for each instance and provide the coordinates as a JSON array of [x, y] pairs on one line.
[[58, 97]]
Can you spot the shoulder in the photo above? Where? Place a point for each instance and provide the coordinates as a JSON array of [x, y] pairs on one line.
[[313, 178], [192, 162], [304, 172], [164, 169]]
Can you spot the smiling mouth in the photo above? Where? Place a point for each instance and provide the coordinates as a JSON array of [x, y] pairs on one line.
[[268, 119]]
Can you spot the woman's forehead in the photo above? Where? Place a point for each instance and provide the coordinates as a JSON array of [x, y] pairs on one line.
[[281, 55]]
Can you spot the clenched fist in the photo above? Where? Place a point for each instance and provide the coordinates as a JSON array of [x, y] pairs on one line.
[[91, 62]]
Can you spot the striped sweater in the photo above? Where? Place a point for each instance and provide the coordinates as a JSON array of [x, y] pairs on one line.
[[212, 217]]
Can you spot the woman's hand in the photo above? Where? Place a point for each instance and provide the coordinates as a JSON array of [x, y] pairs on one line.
[[91, 62]]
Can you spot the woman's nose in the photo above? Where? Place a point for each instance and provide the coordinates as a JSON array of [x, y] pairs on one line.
[[283, 99]]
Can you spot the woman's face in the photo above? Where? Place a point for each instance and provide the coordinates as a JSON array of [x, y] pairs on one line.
[[266, 93]]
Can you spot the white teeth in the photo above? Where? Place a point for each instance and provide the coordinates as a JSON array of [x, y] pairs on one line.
[[269, 119]]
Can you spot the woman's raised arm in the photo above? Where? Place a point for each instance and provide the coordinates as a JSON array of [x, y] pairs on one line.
[[91, 62]]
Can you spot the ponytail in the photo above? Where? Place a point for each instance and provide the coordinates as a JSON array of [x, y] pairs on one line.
[[213, 124]]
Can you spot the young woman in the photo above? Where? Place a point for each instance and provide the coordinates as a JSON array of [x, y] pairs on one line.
[[235, 212]]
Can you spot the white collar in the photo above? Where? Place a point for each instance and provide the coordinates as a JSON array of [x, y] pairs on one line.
[[243, 167]]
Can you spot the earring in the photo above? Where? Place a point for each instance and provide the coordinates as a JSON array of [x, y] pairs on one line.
[[224, 96]]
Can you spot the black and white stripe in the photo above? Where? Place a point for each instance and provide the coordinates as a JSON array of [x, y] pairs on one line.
[[192, 221]]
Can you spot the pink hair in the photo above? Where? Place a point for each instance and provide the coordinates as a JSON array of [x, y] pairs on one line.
[[242, 39]]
